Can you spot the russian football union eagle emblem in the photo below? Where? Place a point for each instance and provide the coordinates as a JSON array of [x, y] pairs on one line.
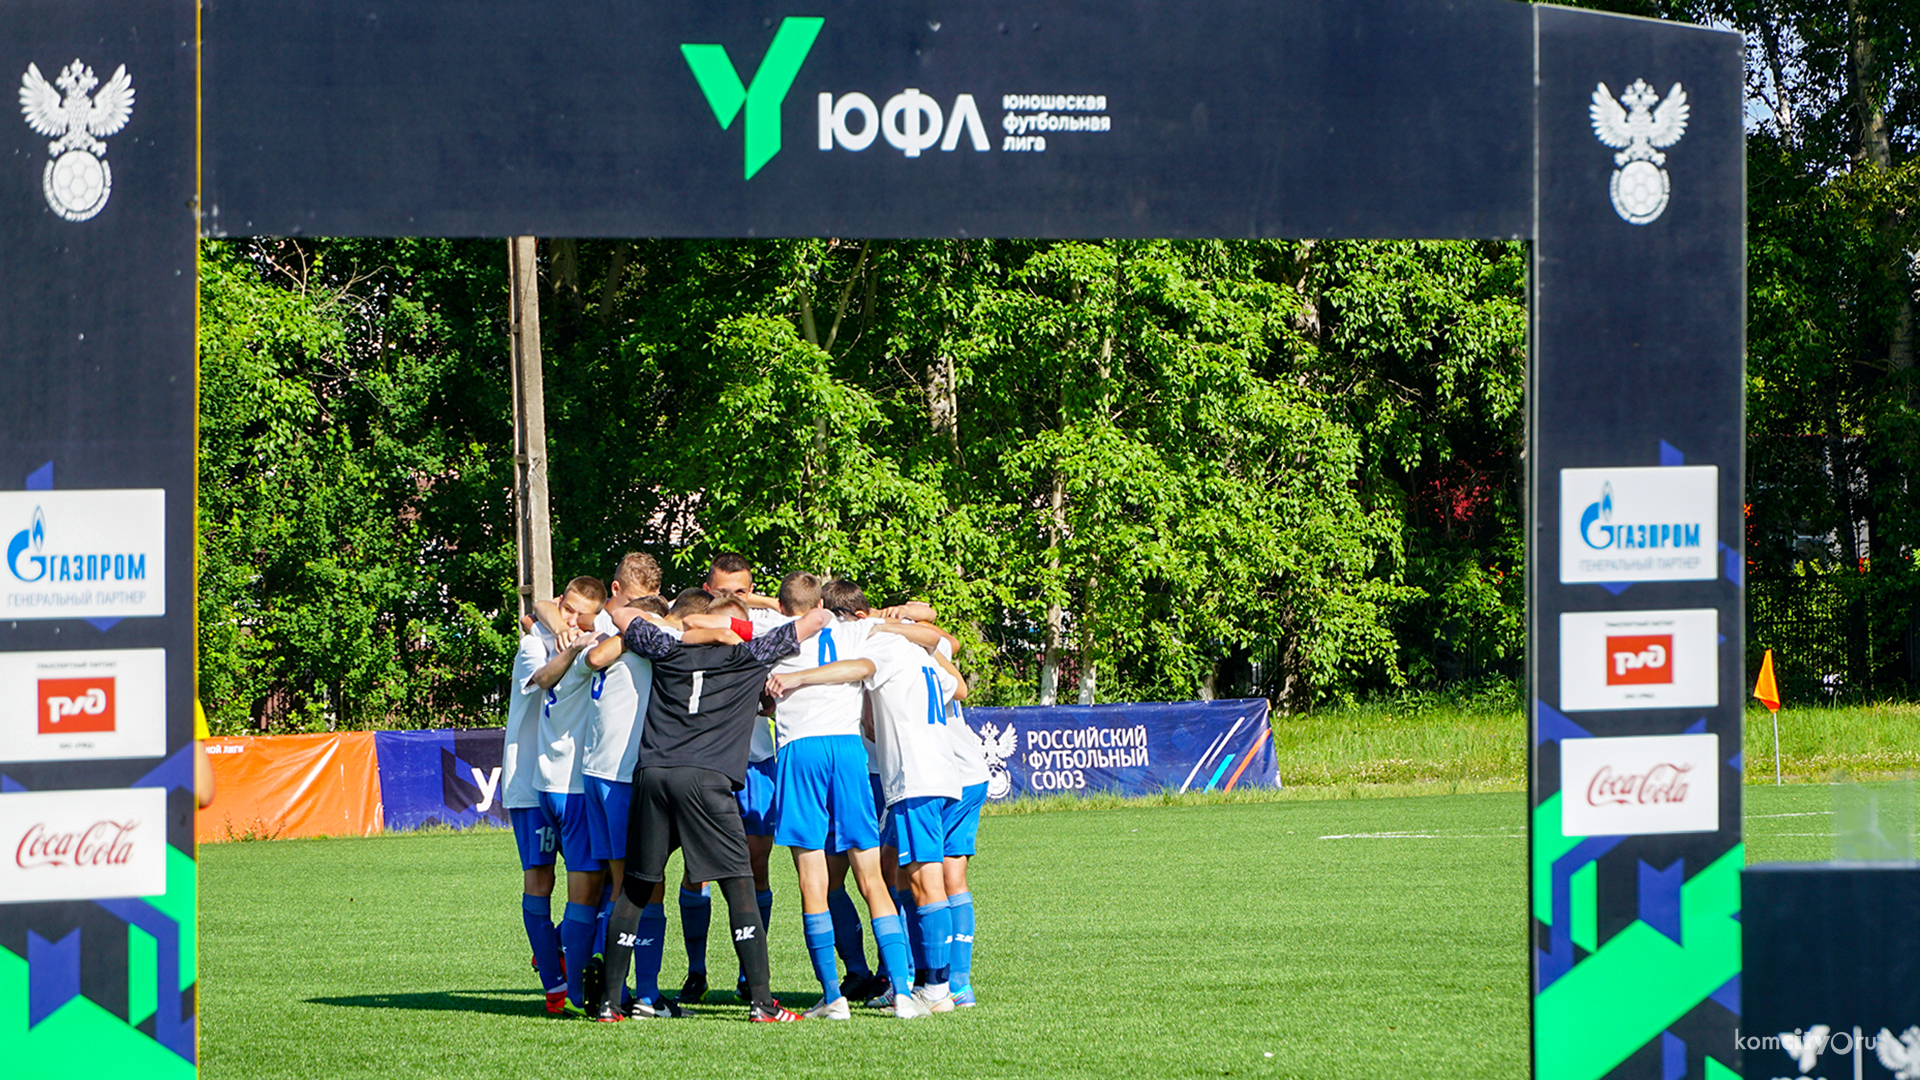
[[78, 179], [1639, 131], [999, 745]]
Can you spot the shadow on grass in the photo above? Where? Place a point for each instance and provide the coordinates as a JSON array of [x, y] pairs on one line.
[[501, 1002], [513, 1002]]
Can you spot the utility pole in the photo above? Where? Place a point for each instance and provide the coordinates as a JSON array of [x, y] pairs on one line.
[[533, 533]]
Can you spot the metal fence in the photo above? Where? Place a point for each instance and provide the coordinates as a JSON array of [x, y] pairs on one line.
[[1831, 640]]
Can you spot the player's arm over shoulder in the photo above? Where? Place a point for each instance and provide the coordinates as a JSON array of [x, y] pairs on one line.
[[924, 634], [784, 640], [840, 671], [648, 640], [959, 680]]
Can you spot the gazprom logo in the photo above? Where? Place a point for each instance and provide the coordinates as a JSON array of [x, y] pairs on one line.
[[33, 536], [29, 561], [1600, 533]]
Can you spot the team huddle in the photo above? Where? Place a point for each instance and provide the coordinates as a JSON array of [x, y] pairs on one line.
[[723, 725]]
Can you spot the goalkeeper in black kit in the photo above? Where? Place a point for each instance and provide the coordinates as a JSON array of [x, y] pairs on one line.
[[693, 757]]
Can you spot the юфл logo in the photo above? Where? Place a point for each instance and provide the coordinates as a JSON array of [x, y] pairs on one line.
[[727, 96]]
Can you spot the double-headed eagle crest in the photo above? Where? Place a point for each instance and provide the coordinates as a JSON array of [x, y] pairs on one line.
[[999, 745], [1639, 131], [78, 179]]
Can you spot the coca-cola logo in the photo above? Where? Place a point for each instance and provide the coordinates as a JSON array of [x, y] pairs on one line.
[[1639, 659], [1663, 783], [103, 843], [71, 706]]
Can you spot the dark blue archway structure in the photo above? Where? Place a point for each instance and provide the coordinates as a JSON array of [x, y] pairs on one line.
[[1612, 144]]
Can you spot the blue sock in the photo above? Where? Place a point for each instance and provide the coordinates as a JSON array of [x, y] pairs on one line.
[[819, 930], [936, 930], [576, 939], [696, 913], [847, 939], [537, 913], [910, 918], [647, 951], [960, 906], [600, 920], [890, 937]]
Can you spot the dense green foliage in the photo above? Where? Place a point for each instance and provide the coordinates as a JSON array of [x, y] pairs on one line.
[[1122, 469], [1157, 462], [1833, 451]]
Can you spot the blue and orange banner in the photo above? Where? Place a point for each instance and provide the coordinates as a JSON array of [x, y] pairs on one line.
[[363, 782]]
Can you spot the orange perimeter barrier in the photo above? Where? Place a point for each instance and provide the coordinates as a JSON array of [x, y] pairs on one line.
[[280, 786]]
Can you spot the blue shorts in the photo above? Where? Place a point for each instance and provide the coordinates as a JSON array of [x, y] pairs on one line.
[[879, 798], [820, 799], [963, 820], [756, 799], [576, 845], [916, 828], [536, 835], [607, 803]]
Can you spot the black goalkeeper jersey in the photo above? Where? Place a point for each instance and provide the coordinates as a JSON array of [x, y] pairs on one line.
[[706, 698]]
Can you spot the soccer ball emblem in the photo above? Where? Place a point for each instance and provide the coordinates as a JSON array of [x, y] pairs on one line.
[[1640, 191], [1633, 125], [78, 180], [77, 184]]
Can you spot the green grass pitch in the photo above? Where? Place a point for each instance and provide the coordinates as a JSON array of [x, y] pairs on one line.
[[1358, 938]]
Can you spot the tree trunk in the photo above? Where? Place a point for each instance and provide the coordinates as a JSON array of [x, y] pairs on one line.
[[1088, 663], [943, 403], [1867, 86], [1863, 79], [1056, 617], [610, 288]]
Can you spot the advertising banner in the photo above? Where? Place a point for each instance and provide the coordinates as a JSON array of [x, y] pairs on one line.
[[441, 778], [1138, 749], [284, 786], [81, 704], [97, 196], [82, 845]]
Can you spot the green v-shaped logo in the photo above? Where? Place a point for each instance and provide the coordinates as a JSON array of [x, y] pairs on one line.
[[718, 80]]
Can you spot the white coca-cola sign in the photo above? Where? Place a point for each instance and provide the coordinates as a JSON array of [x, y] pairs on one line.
[[82, 845], [1638, 785]]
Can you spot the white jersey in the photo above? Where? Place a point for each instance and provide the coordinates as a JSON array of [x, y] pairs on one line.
[[969, 753], [519, 760], [564, 717], [620, 692], [911, 745], [823, 710], [764, 619]]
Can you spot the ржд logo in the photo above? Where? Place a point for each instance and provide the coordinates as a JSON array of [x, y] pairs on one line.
[[71, 706]]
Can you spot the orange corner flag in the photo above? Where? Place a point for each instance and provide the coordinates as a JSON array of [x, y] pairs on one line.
[[1764, 689]]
